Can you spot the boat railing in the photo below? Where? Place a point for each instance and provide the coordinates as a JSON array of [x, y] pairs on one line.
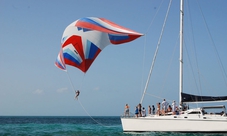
[[128, 115], [131, 115]]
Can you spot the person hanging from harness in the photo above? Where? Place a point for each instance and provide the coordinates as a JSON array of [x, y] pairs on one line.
[[77, 94]]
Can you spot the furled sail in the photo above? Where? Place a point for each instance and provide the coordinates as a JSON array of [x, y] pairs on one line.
[[85, 38], [197, 98]]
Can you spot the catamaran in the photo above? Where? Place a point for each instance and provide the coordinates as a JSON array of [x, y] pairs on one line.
[[188, 120]]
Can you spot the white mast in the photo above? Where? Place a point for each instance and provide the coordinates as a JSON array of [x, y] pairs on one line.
[[181, 49]]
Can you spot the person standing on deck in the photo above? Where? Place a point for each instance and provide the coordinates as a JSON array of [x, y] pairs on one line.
[[143, 112], [140, 109], [164, 106], [149, 109], [127, 110], [153, 109], [174, 107], [158, 109], [136, 111]]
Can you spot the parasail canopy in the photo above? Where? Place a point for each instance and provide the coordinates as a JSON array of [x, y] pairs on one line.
[[85, 38]]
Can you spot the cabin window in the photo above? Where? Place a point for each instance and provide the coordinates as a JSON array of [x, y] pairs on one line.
[[194, 112]]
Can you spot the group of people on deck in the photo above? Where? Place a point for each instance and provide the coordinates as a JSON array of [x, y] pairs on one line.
[[162, 109], [166, 108], [140, 111]]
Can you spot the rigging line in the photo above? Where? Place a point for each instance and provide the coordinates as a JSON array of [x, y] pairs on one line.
[[70, 80], [190, 66], [144, 54], [199, 89], [216, 51], [156, 51], [159, 97], [200, 75], [169, 65], [154, 17], [82, 84], [207, 83], [145, 43], [195, 52]]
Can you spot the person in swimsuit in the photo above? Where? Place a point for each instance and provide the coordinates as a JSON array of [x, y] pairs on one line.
[[158, 109], [127, 110], [143, 112], [136, 111], [140, 109], [149, 109], [153, 109]]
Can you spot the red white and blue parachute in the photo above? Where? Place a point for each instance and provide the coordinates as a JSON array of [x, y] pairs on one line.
[[85, 38]]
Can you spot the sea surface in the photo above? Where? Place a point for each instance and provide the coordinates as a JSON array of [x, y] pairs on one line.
[[73, 126]]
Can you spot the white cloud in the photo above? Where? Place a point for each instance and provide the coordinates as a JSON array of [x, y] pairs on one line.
[[97, 88], [38, 91], [62, 90]]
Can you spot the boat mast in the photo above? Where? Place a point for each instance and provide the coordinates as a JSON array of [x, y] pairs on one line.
[[181, 50]]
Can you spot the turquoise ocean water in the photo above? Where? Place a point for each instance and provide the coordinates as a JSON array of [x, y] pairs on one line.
[[73, 126]]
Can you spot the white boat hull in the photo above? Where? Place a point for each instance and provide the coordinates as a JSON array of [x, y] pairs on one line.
[[174, 124]]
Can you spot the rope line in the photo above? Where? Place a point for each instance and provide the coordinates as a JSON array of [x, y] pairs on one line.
[[91, 116], [70, 80], [82, 105]]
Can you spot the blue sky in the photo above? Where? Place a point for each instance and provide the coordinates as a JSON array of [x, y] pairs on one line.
[[31, 31]]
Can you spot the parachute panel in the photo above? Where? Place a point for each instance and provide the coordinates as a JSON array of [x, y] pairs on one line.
[[60, 63], [85, 38]]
